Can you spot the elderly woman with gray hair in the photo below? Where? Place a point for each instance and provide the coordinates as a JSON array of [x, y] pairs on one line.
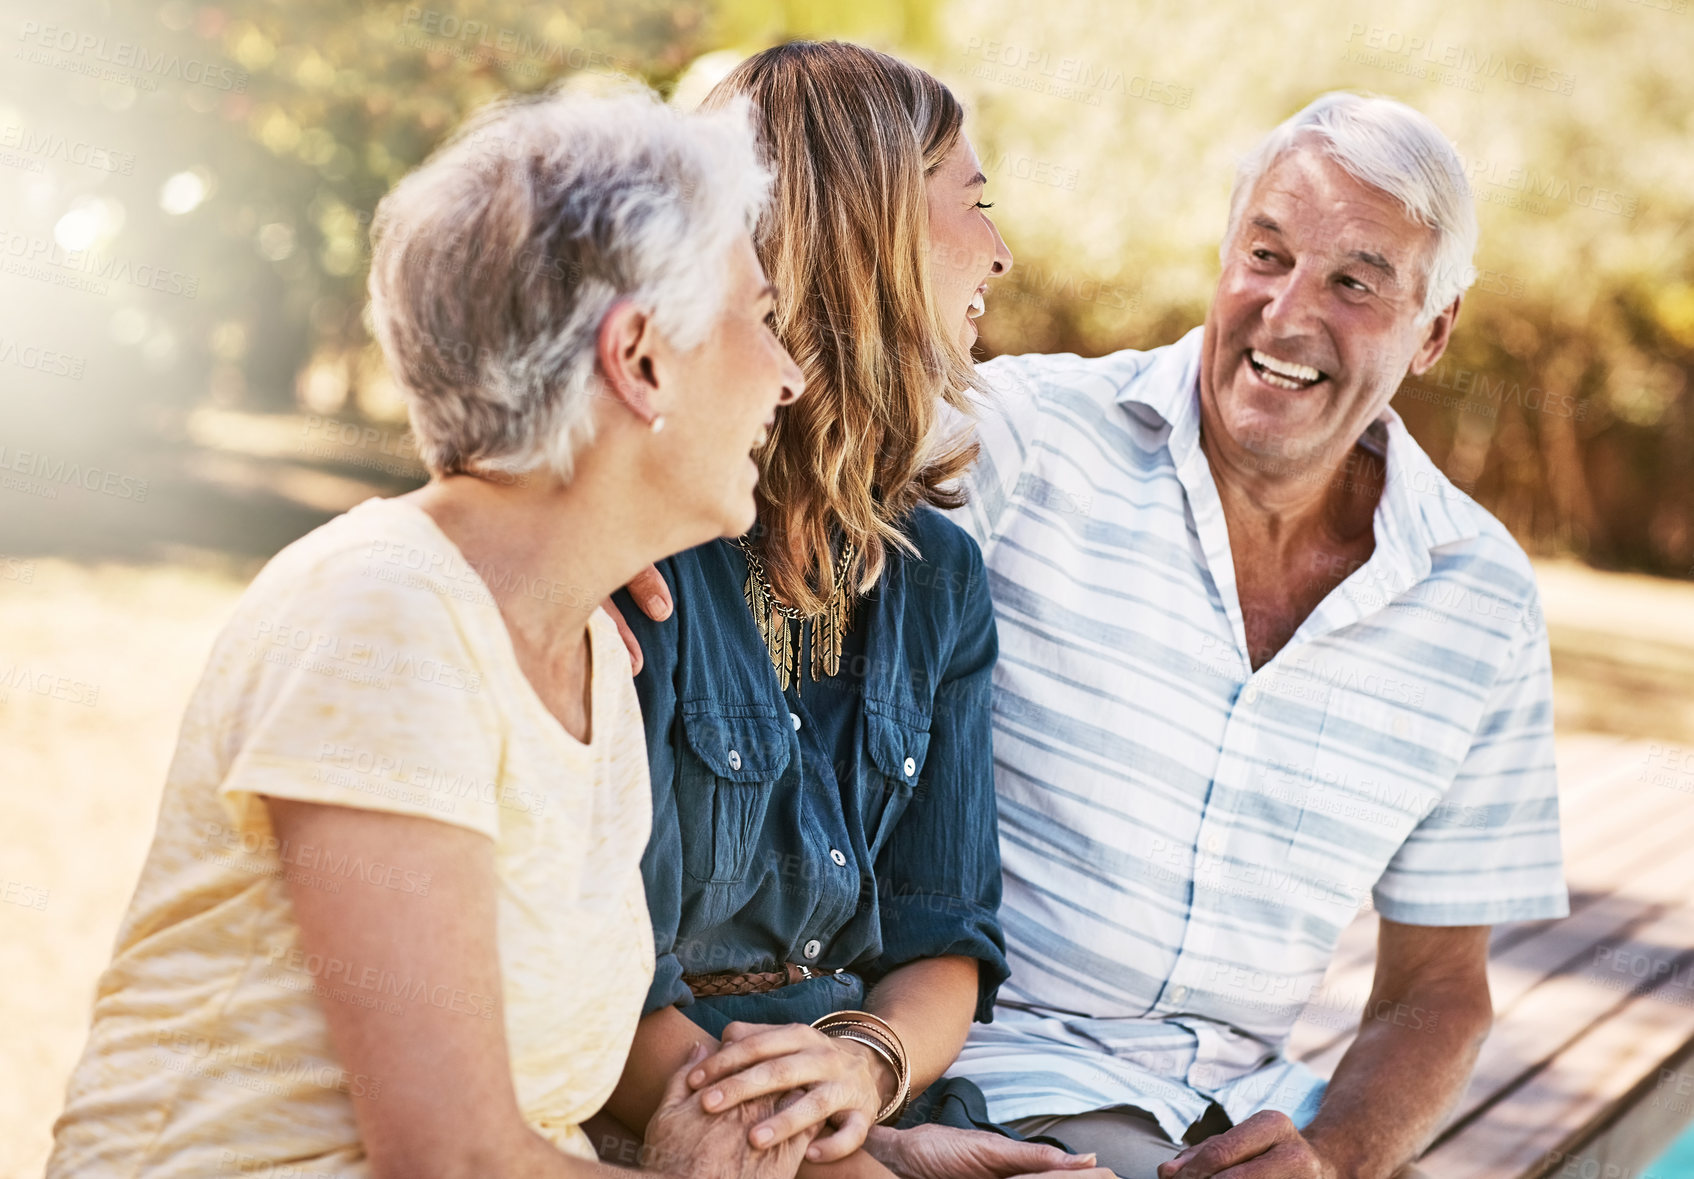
[[392, 921]]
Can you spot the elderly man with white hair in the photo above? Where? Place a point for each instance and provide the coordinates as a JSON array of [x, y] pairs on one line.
[[1261, 662]]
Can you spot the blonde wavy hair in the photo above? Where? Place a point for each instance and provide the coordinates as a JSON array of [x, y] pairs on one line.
[[851, 135]]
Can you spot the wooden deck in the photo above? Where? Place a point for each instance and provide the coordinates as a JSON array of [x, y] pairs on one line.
[[1589, 1071]]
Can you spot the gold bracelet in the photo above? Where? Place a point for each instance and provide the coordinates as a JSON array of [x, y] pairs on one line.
[[896, 1103], [864, 1028], [867, 1024], [863, 1018]]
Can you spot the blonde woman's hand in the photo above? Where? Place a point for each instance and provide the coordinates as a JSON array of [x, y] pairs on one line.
[[842, 1085]]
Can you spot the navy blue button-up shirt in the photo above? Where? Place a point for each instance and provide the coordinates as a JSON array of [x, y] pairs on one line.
[[848, 822]]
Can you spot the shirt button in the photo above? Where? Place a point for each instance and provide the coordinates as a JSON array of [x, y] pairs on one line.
[[911, 767], [734, 760], [1214, 844], [1178, 994], [794, 719], [840, 860], [1251, 694], [812, 948]]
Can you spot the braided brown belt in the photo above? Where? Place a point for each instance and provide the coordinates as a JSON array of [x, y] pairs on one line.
[[706, 986]]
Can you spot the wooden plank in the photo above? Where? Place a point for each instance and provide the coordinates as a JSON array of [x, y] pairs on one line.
[[1590, 817], [1544, 947], [1560, 947], [1531, 1027], [1565, 946], [1646, 868], [1647, 1122], [1581, 755], [1593, 1073], [1572, 1059], [1584, 768]]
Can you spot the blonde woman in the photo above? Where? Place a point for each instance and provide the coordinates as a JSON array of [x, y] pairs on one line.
[[824, 873], [393, 922]]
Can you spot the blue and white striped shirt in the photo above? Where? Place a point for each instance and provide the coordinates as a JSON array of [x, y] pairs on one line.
[[1184, 838]]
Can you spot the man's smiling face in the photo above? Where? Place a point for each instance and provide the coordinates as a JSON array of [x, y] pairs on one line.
[[1318, 313]]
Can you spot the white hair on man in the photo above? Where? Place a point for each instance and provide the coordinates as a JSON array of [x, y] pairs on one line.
[[1391, 147], [494, 263]]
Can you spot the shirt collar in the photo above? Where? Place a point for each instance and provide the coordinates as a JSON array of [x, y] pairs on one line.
[[1431, 510], [1169, 385], [1420, 509]]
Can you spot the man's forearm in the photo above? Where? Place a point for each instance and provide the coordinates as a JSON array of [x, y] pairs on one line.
[[1399, 1079]]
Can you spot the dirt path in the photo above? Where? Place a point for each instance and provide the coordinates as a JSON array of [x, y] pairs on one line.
[[117, 651]]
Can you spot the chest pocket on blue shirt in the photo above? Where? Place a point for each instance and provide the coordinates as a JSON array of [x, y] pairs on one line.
[[1379, 769], [724, 789], [898, 740]]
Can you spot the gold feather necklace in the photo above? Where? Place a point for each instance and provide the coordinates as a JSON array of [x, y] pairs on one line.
[[783, 627]]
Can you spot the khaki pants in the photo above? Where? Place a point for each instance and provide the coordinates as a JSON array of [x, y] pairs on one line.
[[1129, 1142], [1125, 1140]]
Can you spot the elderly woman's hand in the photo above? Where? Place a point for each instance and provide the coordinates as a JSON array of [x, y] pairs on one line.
[[841, 1083], [686, 1142]]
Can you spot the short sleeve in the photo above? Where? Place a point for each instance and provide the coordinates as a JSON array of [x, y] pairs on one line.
[[939, 876], [1006, 419], [1490, 851], [363, 693]]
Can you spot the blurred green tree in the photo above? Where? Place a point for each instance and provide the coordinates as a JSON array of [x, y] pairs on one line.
[[1108, 130]]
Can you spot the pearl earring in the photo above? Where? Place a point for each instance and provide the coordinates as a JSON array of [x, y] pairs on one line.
[[658, 423]]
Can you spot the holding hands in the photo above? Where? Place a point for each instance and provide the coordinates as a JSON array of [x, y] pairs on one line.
[[840, 1085], [683, 1141], [803, 1090]]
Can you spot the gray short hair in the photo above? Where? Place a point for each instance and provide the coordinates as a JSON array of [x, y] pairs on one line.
[[494, 263], [1391, 147]]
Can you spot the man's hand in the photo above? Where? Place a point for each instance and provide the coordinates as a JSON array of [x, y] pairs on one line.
[[685, 1142], [1265, 1146], [650, 592], [945, 1152]]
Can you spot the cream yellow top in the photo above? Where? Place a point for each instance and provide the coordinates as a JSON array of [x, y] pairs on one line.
[[366, 666]]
